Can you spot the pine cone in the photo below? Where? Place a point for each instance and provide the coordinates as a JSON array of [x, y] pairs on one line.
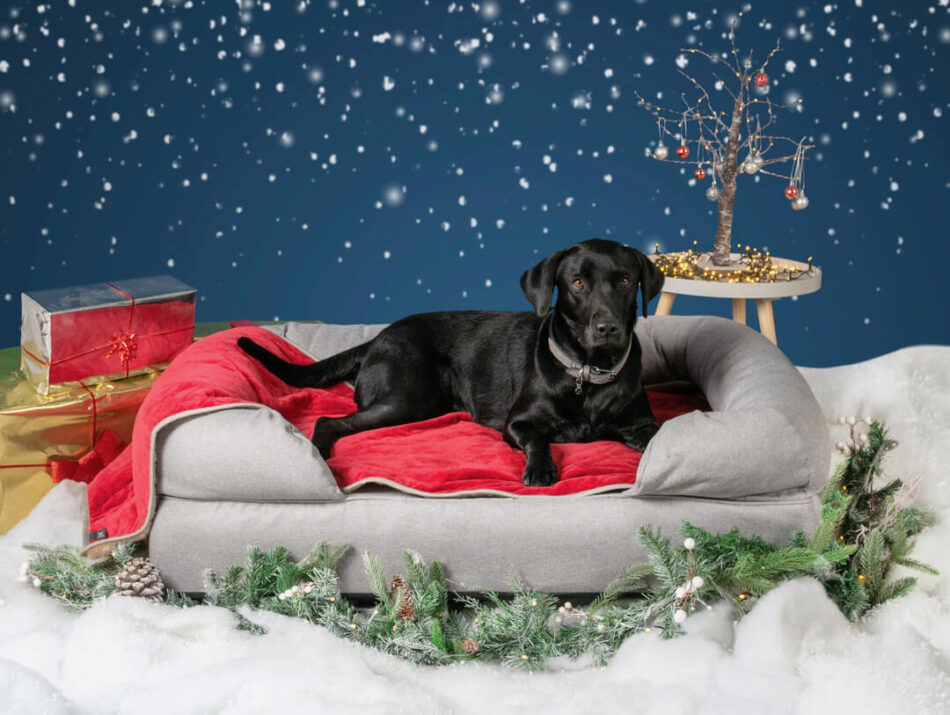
[[141, 578], [469, 645], [407, 612]]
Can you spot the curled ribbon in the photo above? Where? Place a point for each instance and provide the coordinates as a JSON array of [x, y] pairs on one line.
[[125, 345]]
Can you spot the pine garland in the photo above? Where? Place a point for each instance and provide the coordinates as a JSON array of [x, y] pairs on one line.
[[864, 531]]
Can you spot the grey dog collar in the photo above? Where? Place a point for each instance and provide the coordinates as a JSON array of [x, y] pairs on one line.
[[583, 372]]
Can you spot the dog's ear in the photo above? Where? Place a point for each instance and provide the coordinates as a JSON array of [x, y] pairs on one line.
[[651, 280], [538, 283]]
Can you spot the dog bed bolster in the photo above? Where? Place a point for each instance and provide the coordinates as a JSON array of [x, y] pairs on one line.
[[225, 446], [766, 433]]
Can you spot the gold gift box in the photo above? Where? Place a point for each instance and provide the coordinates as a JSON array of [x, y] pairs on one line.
[[37, 429]]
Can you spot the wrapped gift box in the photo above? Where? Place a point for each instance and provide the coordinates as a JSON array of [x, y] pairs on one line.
[[103, 332], [70, 435]]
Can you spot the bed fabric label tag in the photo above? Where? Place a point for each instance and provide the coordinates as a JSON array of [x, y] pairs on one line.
[[98, 535]]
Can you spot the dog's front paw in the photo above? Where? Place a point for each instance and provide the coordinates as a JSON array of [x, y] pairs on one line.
[[539, 473], [640, 435]]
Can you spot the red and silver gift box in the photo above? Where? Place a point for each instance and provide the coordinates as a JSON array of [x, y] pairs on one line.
[[104, 331]]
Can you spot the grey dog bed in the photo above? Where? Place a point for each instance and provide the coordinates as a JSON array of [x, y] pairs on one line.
[[241, 475]]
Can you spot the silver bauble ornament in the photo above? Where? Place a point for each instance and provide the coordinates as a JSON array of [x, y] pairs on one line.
[[799, 202], [752, 163], [661, 151], [712, 193]]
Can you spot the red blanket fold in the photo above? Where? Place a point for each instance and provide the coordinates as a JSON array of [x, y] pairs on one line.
[[440, 456]]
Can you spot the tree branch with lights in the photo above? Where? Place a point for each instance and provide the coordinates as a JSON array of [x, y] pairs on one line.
[[721, 134]]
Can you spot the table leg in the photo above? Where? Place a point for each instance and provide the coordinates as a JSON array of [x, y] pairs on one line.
[[665, 305], [766, 319], [738, 310]]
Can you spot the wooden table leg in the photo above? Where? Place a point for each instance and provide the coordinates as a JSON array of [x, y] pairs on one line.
[[766, 319], [738, 310], [665, 304]]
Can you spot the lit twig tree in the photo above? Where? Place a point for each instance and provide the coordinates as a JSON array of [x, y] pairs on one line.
[[720, 136]]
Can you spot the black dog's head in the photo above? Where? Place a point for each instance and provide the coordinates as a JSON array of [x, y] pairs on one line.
[[597, 284]]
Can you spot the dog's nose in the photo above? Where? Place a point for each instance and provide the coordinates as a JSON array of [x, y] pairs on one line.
[[606, 328]]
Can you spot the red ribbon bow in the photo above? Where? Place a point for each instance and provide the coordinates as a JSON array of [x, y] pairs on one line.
[[106, 449], [125, 345]]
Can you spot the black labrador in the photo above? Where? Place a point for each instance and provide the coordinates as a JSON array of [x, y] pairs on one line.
[[571, 374]]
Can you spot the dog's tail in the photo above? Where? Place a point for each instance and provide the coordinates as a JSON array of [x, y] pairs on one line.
[[322, 373]]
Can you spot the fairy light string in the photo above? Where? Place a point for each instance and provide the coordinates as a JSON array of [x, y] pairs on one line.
[[755, 266]]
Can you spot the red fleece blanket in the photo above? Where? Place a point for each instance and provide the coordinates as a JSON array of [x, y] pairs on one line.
[[440, 456]]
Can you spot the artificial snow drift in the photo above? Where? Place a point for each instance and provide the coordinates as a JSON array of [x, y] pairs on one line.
[[795, 653]]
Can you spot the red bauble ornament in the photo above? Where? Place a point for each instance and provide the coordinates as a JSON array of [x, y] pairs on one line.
[[700, 173], [682, 151], [791, 192], [761, 79]]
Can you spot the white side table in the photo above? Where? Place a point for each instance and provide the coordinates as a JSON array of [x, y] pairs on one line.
[[762, 293]]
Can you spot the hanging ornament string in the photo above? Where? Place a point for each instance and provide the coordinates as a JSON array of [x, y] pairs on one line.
[[700, 172], [754, 161], [661, 150], [799, 201], [791, 192], [682, 151], [712, 193]]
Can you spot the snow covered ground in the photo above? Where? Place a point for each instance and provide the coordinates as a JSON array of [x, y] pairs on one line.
[[795, 653]]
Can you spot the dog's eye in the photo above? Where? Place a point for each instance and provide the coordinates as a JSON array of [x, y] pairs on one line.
[[578, 283], [625, 281]]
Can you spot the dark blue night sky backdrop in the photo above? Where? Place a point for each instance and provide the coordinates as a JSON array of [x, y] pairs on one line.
[[355, 161]]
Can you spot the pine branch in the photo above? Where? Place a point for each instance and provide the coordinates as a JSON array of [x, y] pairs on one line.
[[760, 573], [839, 553], [321, 557], [830, 526], [870, 557], [630, 579], [918, 565], [377, 581], [62, 573], [896, 589], [660, 554], [916, 519]]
